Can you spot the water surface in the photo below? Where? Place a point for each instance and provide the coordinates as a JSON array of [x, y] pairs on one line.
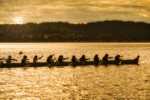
[[82, 82]]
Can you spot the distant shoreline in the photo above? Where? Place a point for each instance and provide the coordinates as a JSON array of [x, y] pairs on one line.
[[102, 31]]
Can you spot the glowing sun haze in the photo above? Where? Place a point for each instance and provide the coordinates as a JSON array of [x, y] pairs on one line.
[[18, 20], [76, 11]]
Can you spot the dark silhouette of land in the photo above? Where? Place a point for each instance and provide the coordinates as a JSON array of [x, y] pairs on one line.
[[102, 31]]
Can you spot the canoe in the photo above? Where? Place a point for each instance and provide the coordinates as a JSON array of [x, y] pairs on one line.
[[42, 64]]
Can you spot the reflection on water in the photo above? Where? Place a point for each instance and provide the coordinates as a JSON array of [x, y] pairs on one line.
[[82, 82]]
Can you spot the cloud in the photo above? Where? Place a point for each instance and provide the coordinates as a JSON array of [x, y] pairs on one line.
[[74, 10]]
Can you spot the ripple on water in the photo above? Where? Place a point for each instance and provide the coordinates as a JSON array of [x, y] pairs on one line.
[[89, 82]]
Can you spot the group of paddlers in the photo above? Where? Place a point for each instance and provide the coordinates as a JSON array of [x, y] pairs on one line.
[[61, 58]]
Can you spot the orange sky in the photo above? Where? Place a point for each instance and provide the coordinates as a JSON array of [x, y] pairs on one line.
[[76, 11]]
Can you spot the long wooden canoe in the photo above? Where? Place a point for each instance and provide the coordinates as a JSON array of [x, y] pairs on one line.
[[42, 64]]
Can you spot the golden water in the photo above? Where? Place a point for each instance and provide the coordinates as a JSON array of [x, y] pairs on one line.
[[88, 82]]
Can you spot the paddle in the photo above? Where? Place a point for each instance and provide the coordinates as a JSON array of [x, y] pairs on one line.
[[120, 62], [40, 57], [54, 57]]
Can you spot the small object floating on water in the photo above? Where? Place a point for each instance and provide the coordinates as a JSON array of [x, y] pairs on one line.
[[20, 52]]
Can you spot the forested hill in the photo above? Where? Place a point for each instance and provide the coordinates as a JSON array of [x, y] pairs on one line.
[[105, 31]]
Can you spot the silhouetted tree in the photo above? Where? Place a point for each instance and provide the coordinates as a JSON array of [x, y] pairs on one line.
[[104, 31]]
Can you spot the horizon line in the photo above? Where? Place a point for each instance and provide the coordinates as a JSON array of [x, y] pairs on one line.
[[73, 22]]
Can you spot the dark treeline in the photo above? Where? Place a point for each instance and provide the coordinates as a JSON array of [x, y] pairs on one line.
[[104, 31]]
